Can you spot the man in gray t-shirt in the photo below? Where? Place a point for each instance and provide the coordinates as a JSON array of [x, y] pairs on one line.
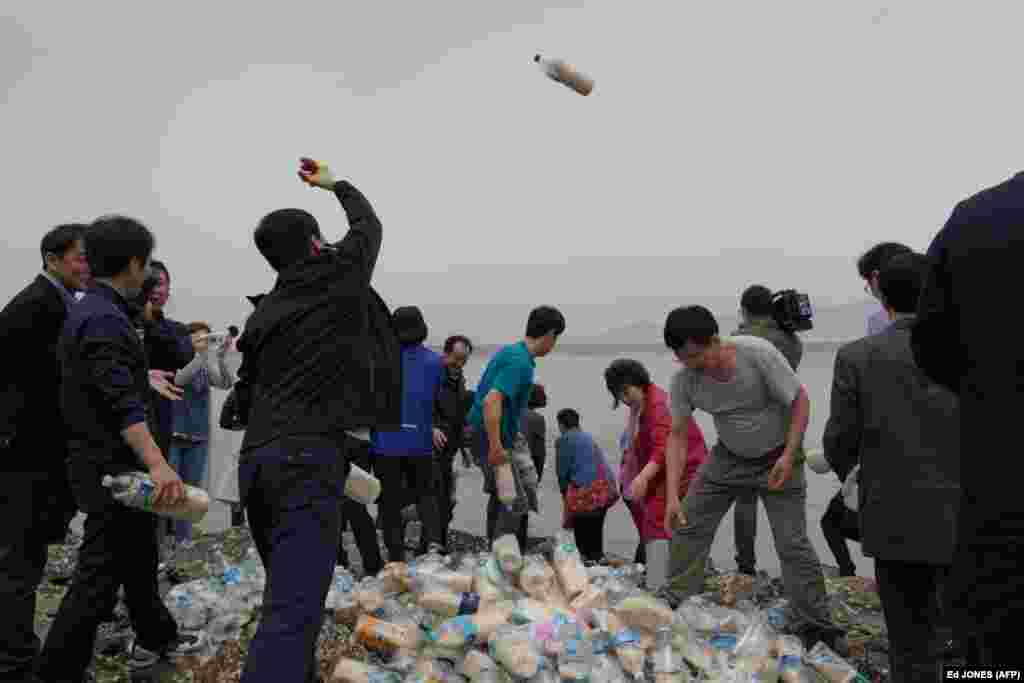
[[760, 409], [752, 408]]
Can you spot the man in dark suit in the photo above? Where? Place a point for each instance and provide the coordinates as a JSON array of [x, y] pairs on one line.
[[35, 500], [904, 431], [957, 342]]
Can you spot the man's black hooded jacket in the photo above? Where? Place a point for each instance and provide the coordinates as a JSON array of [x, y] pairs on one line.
[[319, 355]]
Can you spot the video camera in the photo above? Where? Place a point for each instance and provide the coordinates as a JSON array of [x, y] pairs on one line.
[[792, 311], [151, 282]]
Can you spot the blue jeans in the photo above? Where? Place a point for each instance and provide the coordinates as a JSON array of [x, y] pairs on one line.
[[189, 461]]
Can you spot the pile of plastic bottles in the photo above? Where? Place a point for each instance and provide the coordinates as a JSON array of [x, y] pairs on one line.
[[222, 604], [500, 617]]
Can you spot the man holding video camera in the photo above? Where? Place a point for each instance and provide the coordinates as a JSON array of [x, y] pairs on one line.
[[758, 314]]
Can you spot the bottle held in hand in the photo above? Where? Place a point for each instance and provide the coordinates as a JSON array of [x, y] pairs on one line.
[[361, 486], [505, 480], [136, 489], [562, 72]]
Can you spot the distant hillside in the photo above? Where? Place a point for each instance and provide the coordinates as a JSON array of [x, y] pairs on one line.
[[836, 323]]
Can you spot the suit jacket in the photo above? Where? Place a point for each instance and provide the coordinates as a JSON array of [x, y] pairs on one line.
[[960, 341], [30, 326], [904, 430]]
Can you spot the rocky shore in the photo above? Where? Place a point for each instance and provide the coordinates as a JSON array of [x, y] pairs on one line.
[[855, 605]]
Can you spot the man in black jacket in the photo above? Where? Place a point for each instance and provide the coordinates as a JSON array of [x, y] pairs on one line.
[[322, 365], [904, 431], [450, 409], [957, 342], [104, 382], [35, 500]]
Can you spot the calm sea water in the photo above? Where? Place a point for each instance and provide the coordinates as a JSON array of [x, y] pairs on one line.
[[576, 380]]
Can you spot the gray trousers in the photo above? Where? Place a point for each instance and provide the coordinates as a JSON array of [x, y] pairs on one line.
[[721, 480], [501, 519], [745, 531]]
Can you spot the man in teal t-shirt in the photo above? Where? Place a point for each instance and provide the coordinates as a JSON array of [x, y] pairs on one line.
[[498, 405]]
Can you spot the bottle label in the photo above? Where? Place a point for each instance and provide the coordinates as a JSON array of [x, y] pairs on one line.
[[469, 604], [723, 642], [145, 494], [626, 637]]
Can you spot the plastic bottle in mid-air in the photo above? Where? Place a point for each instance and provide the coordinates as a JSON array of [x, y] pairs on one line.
[[564, 73]]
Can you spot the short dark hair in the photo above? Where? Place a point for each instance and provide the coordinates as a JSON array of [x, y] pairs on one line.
[[538, 397], [623, 371], [901, 281], [450, 342], [160, 267], [568, 418], [113, 241], [689, 323], [876, 257], [757, 300], [545, 320], [60, 239], [410, 327], [284, 236]]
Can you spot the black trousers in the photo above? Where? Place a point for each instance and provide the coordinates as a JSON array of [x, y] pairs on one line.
[[403, 477], [355, 514], [292, 491], [444, 463], [35, 509], [500, 523], [838, 524], [913, 616], [119, 549], [589, 532]]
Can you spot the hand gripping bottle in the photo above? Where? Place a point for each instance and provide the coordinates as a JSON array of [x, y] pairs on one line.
[[137, 490]]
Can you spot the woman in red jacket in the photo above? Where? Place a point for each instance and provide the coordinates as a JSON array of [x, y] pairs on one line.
[[630, 383]]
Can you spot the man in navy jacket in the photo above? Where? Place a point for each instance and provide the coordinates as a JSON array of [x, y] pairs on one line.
[[957, 342], [104, 383]]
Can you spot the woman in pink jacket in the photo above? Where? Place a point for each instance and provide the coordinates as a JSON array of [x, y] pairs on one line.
[[644, 468]]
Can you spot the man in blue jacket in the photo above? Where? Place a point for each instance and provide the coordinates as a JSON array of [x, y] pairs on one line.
[[404, 459]]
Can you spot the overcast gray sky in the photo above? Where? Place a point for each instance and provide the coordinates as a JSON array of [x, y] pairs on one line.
[[725, 142]]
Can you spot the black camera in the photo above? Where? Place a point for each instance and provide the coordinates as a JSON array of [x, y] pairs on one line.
[[151, 282], [792, 310]]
